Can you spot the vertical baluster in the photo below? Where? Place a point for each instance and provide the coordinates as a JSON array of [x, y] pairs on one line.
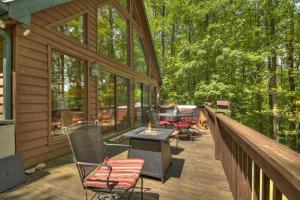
[[218, 138], [249, 177], [231, 181], [277, 195], [235, 170], [227, 155], [256, 182], [245, 172], [265, 187], [240, 178]]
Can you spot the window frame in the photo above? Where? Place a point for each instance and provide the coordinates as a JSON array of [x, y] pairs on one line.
[[63, 138]]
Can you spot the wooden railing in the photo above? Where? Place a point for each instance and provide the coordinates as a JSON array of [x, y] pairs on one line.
[[256, 166]]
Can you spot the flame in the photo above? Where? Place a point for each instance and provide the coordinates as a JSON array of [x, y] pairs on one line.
[[149, 126]]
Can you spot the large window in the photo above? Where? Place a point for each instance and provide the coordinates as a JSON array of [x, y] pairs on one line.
[[122, 99], [113, 102], [112, 33], [140, 59], [67, 91], [143, 102], [146, 102], [138, 102], [154, 98], [106, 101], [75, 28]]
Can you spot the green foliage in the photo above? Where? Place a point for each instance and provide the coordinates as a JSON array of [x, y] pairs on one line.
[[112, 33], [75, 28], [218, 49], [140, 60]]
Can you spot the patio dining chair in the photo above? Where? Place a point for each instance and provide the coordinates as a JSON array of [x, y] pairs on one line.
[[105, 177], [155, 122]]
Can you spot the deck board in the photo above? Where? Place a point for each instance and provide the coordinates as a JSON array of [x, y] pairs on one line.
[[195, 174]]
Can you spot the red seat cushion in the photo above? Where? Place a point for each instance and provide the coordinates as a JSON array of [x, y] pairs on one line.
[[164, 123], [181, 125], [124, 175]]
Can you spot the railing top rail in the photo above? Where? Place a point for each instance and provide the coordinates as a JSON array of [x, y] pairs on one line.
[[280, 163]]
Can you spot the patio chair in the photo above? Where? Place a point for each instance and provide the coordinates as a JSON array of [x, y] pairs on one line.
[[105, 177], [154, 121], [184, 123]]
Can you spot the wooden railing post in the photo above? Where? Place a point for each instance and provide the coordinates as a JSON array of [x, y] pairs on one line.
[[218, 143]]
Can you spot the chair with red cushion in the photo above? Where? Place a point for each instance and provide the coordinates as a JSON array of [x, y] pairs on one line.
[[107, 178], [183, 125]]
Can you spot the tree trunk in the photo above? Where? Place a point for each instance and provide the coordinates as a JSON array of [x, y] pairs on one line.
[[173, 37], [272, 67], [111, 24], [291, 72], [163, 48], [258, 80]]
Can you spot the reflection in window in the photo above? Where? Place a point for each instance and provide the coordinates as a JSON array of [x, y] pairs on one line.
[[113, 102], [112, 33], [138, 92], [146, 102], [153, 98], [67, 90], [106, 101], [124, 3], [140, 61], [122, 99], [74, 28], [1, 80]]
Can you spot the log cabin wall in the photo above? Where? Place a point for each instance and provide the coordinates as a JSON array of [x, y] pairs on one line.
[[32, 65]]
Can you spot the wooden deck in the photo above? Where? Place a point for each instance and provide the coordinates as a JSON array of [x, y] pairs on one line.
[[195, 174]]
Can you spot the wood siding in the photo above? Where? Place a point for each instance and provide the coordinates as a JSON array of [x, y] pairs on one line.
[[32, 109]]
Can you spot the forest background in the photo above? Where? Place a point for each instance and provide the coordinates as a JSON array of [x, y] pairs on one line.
[[247, 52]]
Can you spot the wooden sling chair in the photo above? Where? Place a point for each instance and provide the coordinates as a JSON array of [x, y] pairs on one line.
[[105, 177]]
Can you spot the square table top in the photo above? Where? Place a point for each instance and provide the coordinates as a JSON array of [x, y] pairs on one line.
[[164, 134]]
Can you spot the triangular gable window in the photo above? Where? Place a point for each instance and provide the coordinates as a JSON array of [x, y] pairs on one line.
[[140, 59], [74, 28], [124, 3]]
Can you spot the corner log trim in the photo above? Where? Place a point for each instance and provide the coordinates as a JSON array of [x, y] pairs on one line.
[[238, 145]]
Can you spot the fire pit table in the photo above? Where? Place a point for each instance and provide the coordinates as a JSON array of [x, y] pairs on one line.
[[153, 147]]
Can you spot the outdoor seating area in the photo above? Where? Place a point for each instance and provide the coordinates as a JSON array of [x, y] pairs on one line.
[[194, 174], [91, 94]]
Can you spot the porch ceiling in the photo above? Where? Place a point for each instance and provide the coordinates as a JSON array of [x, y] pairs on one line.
[[21, 10]]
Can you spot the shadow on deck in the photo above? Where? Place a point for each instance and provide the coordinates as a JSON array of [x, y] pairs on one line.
[[194, 174]]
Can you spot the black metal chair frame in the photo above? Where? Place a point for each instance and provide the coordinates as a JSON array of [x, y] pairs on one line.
[[153, 118], [101, 193]]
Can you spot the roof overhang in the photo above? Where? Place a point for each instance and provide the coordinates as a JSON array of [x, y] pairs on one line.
[[21, 10]]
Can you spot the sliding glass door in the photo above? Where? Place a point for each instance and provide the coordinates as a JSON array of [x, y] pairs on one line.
[[106, 101], [113, 102]]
